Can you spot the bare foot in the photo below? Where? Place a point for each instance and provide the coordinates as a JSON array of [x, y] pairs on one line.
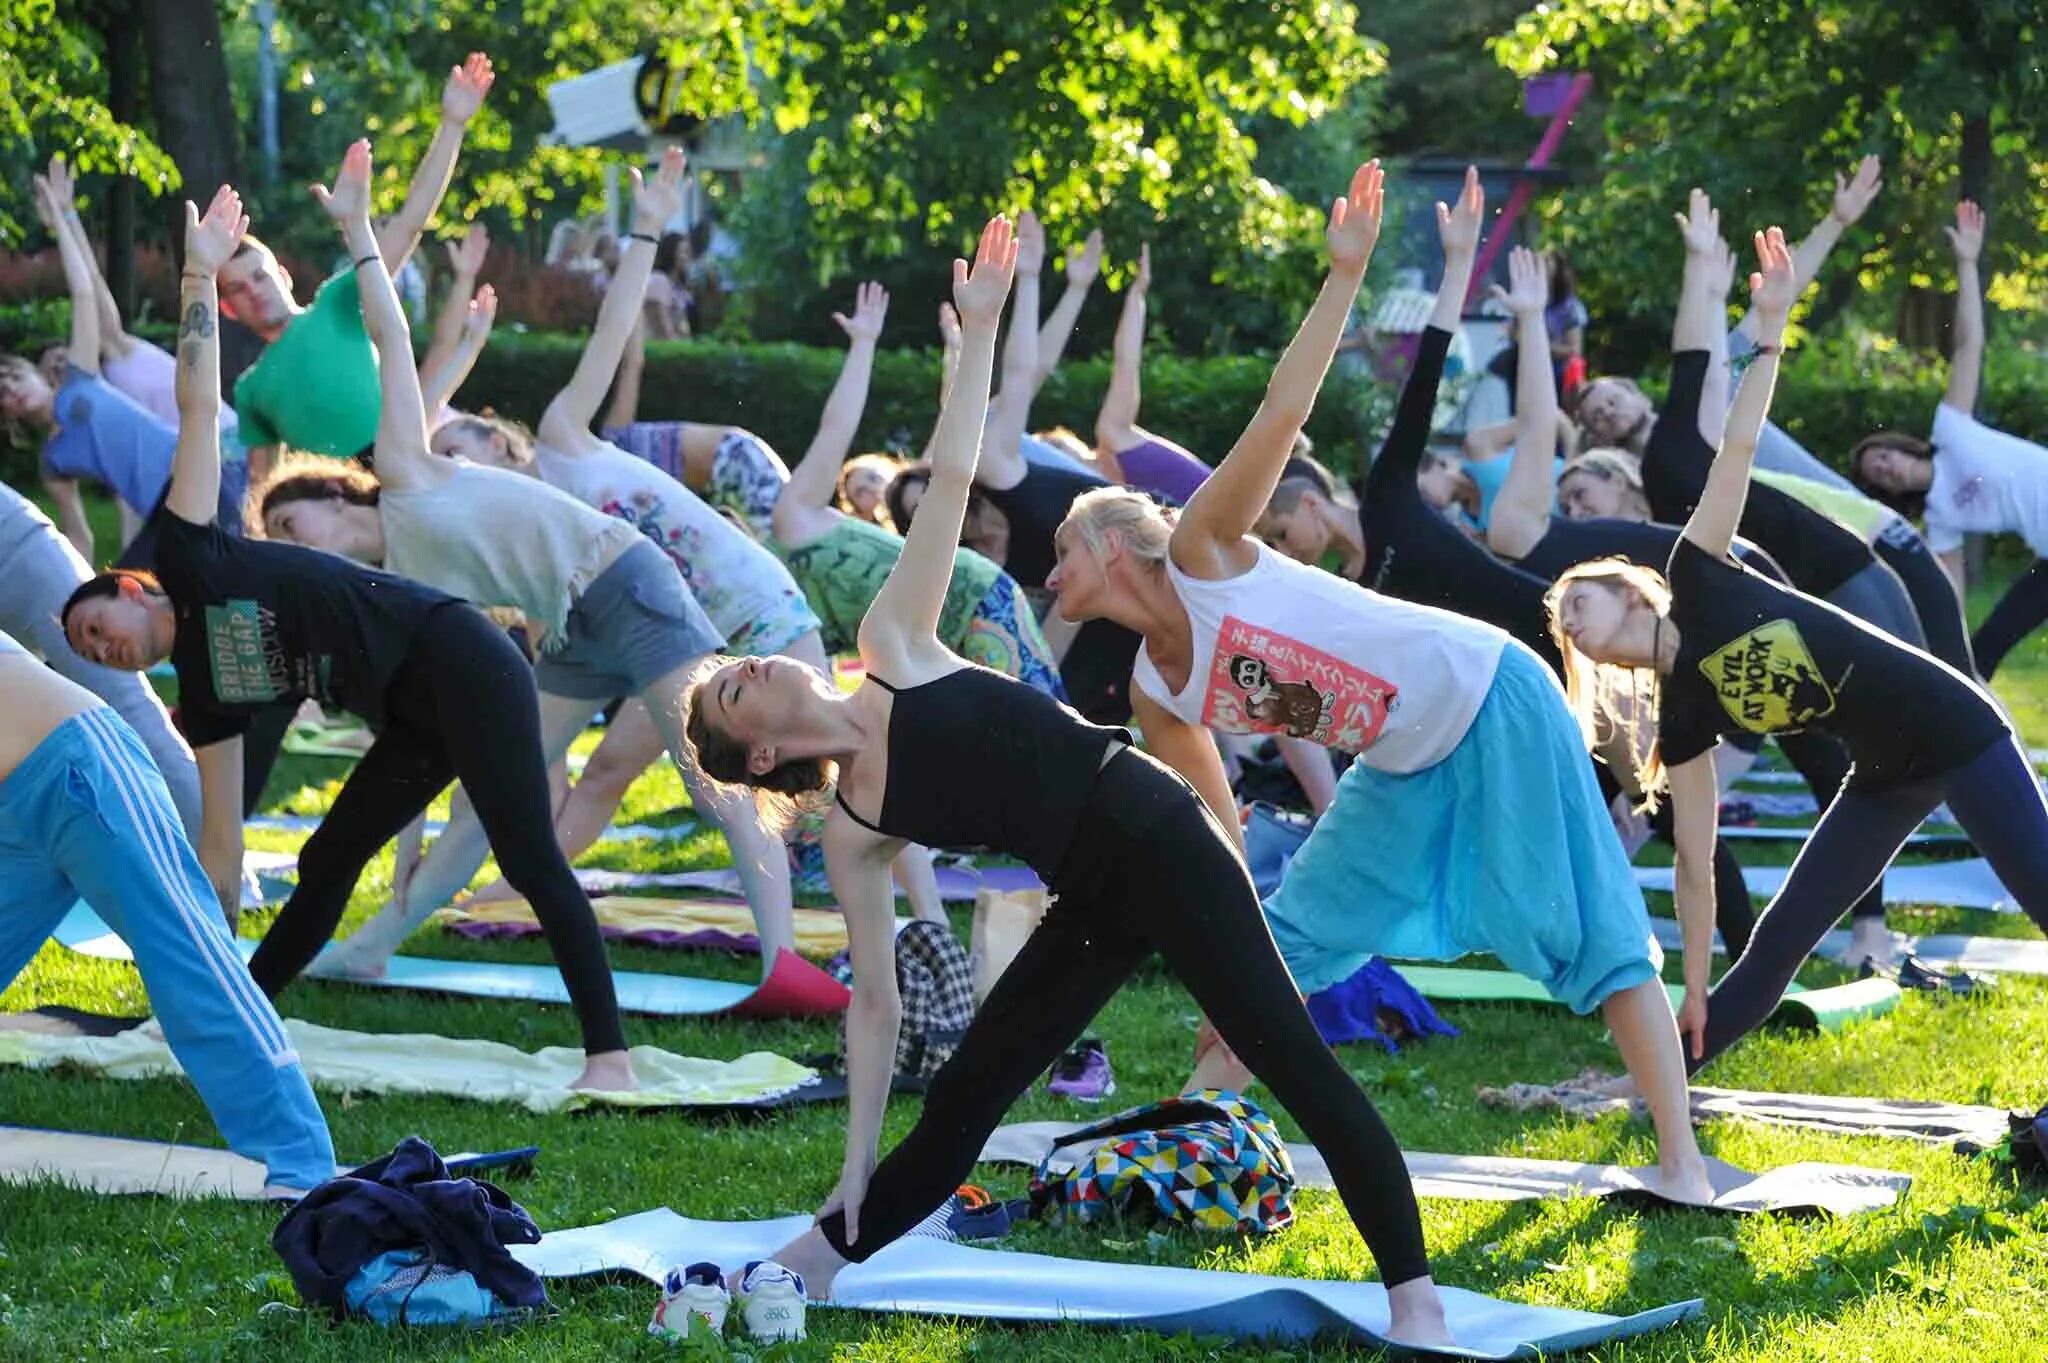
[[1417, 1315], [1869, 940], [1685, 1181], [608, 1072]]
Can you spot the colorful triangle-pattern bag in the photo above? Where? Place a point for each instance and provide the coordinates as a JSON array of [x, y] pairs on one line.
[[1210, 1160]]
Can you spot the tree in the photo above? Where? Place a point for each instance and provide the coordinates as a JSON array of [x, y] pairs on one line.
[[1762, 103]]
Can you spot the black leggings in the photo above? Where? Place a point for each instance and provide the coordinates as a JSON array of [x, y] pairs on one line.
[[1150, 870], [1933, 595], [1824, 764], [462, 707], [1997, 801], [2018, 613]]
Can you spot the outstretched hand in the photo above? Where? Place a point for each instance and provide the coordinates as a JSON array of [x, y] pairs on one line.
[[1774, 286], [657, 201], [870, 306], [349, 200], [1030, 238], [1853, 195], [1700, 224], [466, 257], [467, 85], [1355, 219], [949, 327], [979, 293], [1142, 281], [1082, 268], [1720, 268], [63, 192], [1967, 236], [47, 211], [1459, 227], [1528, 290], [483, 313], [211, 238]]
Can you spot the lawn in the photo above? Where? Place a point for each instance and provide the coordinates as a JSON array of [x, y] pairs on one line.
[[1958, 1271]]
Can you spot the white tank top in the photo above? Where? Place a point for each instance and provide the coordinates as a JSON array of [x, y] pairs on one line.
[[735, 579], [499, 538], [1289, 649]]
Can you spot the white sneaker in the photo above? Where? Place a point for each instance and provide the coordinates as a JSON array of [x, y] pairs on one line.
[[771, 1301], [693, 1302]]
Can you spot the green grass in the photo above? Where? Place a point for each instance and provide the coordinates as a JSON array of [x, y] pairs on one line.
[[1958, 1271]]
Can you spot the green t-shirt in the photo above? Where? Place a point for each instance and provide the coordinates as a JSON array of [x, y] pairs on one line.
[[1852, 509], [842, 570], [315, 387]]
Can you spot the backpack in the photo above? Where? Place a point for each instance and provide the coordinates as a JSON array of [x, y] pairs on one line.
[[1211, 1160], [936, 984]]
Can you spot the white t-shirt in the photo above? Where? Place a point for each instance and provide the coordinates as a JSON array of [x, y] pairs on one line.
[[734, 579], [1290, 649], [149, 374], [1985, 482]]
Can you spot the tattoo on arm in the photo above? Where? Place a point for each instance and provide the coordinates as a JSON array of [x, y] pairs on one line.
[[198, 321]]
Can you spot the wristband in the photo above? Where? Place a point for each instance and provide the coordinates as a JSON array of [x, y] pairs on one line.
[[647, 237], [1770, 348], [368, 260]]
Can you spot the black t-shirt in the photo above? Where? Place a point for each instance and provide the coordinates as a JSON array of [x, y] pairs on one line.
[[1817, 553], [1412, 551], [261, 622], [1568, 542], [1035, 507], [1757, 657]]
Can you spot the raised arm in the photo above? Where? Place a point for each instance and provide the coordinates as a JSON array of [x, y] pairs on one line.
[[1695, 814], [949, 354], [1522, 508], [1400, 454], [1059, 326], [625, 404], [1116, 424], [114, 338], [1852, 198], [1771, 291], [210, 242], [439, 385], [460, 100], [1209, 539], [1966, 356], [815, 479], [905, 613], [74, 253], [401, 456], [565, 426], [465, 263], [1002, 452], [1702, 321], [1717, 276]]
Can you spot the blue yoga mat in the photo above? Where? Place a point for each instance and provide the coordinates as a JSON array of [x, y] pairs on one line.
[[1769, 834], [1968, 884], [85, 932], [925, 1276]]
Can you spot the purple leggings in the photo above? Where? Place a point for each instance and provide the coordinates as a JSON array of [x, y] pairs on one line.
[[1162, 469]]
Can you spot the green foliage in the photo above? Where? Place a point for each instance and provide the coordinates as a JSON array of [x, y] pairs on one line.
[[1762, 104], [1836, 391]]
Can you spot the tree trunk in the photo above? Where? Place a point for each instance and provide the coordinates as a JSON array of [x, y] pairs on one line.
[[195, 115], [124, 102]]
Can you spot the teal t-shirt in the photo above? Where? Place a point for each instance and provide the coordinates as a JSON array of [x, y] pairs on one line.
[[315, 387]]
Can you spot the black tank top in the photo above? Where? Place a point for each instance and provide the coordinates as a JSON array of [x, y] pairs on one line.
[[978, 759], [1035, 507]]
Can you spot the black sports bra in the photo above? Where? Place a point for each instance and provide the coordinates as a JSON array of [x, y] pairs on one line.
[[978, 759]]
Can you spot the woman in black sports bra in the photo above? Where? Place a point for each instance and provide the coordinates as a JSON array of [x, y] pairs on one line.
[[1136, 862]]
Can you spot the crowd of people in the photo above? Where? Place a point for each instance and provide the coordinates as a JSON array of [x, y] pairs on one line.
[[1519, 650]]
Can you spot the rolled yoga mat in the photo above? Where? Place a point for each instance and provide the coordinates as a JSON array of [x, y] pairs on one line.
[[922, 1275], [1825, 1009], [1965, 884], [417, 1065], [1834, 1189], [117, 1165], [794, 987]]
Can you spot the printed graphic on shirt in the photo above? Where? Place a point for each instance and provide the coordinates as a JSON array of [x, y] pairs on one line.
[[1262, 682], [1767, 679], [248, 664]]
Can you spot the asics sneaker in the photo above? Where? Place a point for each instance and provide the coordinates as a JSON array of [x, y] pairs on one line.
[[771, 1300], [1083, 1073], [693, 1302]]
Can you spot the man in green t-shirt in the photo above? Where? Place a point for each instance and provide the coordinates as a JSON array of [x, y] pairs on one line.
[[314, 387]]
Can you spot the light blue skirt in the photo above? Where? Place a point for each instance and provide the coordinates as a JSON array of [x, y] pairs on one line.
[[1504, 847]]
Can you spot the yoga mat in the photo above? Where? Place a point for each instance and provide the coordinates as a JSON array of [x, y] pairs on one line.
[[956, 883], [699, 924], [927, 1276], [117, 1165], [1969, 1129], [794, 987], [306, 823], [416, 1065], [1946, 951], [1966, 884], [1765, 833], [1826, 1009], [1833, 1189]]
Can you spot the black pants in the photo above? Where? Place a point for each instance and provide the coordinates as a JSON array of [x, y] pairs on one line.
[[1933, 595], [1149, 871], [1994, 796], [463, 707], [2018, 613]]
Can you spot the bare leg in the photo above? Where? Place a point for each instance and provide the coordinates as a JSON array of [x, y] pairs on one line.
[[1646, 1033], [913, 866]]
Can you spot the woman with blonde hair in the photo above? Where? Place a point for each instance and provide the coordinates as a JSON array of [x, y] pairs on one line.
[[864, 483], [1717, 649]]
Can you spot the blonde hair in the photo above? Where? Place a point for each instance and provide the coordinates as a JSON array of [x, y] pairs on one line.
[[1607, 698], [1144, 524], [518, 440], [1065, 441], [878, 462], [1610, 465]]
